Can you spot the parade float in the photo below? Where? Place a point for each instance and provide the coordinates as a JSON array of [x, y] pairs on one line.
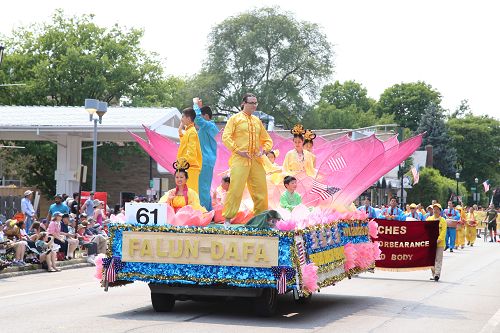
[[184, 255]]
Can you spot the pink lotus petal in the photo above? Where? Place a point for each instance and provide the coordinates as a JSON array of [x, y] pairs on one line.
[[285, 225], [207, 218], [373, 229], [98, 266], [310, 277]]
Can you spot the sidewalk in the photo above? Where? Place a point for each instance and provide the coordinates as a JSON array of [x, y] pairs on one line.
[[34, 269]]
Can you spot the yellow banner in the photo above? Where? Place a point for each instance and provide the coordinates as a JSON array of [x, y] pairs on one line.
[[200, 249], [328, 256]]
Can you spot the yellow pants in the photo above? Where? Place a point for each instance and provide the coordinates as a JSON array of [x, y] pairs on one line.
[[460, 236], [193, 176], [250, 173], [471, 234]]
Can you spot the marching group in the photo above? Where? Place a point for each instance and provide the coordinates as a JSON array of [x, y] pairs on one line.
[[457, 224]]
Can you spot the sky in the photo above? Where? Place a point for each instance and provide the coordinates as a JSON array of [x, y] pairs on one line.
[[451, 45]]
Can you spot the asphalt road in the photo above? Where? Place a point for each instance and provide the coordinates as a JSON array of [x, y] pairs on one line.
[[467, 299]]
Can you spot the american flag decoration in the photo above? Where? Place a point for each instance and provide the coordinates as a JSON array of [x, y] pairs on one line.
[[336, 163], [301, 253], [323, 190], [282, 274], [112, 265], [110, 272]]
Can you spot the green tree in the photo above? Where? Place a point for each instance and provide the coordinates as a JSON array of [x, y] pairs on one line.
[[462, 110], [432, 185], [344, 105], [165, 92], [444, 154], [347, 94], [71, 58], [476, 140], [407, 102], [67, 60], [268, 52]]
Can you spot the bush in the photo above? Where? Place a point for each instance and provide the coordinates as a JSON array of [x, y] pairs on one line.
[[432, 185]]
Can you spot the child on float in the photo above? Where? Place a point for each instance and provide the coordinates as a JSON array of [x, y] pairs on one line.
[[309, 137], [438, 262], [299, 160], [182, 195], [219, 199], [290, 199], [273, 170]]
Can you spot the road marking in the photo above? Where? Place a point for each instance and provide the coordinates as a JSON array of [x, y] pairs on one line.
[[492, 324], [45, 290]]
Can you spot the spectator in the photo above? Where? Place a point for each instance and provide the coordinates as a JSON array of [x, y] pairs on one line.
[[98, 212], [86, 241], [13, 233], [47, 252], [27, 209], [88, 205], [55, 231], [97, 236], [57, 206], [73, 204], [70, 238]]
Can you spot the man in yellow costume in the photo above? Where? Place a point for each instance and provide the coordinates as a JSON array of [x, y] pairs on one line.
[[438, 263], [247, 140], [189, 147]]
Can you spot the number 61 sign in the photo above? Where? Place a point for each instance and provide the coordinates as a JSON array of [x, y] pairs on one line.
[[146, 213]]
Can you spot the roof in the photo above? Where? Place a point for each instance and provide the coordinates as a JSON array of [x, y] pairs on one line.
[[40, 122]]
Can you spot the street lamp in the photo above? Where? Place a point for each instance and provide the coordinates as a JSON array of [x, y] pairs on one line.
[[96, 110], [475, 192], [457, 176]]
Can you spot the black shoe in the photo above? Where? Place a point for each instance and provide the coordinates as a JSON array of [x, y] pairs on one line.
[[491, 241], [468, 243], [478, 236], [446, 248], [472, 245], [436, 278], [451, 250]]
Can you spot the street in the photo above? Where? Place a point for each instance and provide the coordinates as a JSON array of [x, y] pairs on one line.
[[467, 299]]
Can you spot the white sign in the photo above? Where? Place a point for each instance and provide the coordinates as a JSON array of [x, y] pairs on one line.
[[146, 213]]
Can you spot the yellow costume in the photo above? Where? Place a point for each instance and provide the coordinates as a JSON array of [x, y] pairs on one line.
[[273, 171], [189, 148], [460, 242], [179, 201], [471, 228], [438, 263], [293, 164], [246, 133]]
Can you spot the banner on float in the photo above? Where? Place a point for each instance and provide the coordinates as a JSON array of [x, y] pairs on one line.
[[407, 246]]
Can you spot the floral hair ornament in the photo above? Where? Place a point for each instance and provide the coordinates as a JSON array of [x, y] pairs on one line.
[[181, 164], [309, 136], [298, 130]]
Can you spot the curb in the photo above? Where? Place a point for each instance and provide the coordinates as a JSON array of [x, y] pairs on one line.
[[34, 269]]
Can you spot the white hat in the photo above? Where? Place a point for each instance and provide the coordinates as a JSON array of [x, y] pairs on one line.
[[28, 192]]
